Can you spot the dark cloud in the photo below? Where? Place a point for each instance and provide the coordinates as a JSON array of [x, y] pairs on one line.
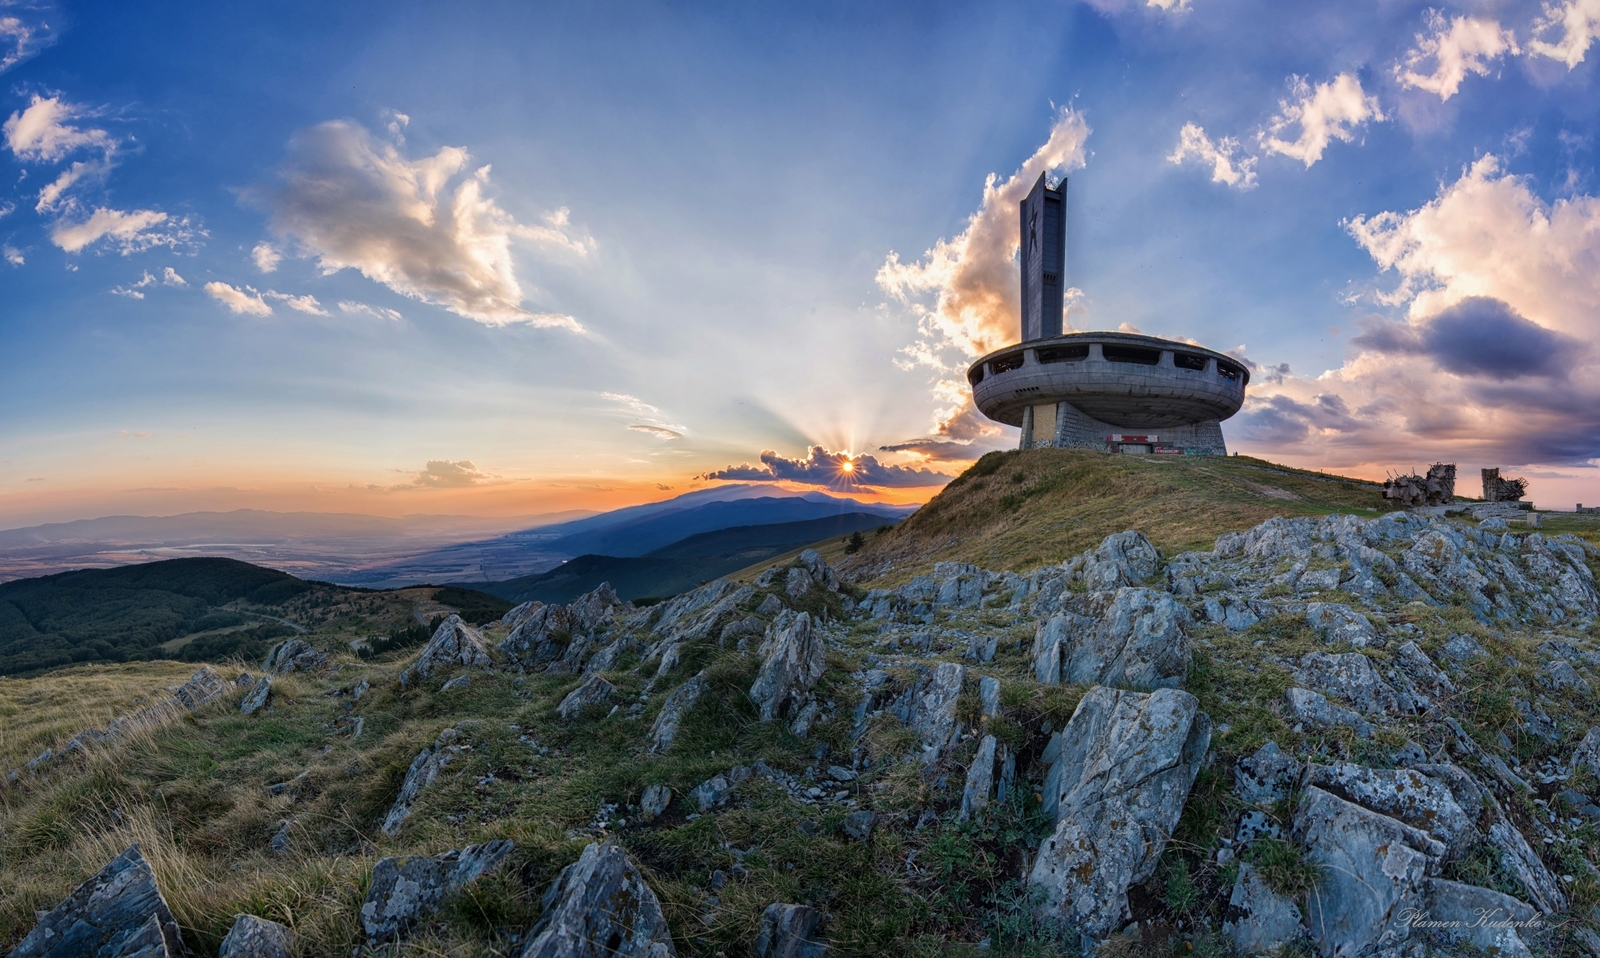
[[1282, 420], [1480, 337], [941, 450], [824, 468]]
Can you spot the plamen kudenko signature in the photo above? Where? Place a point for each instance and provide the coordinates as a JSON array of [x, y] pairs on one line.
[[1483, 918]]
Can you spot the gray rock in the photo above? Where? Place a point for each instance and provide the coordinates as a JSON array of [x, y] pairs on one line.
[[792, 659], [1138, 642], [252, 937], [295, 655], [797, 583], [1405, 794], [459, 682], [1318, 580], [811, 561], [1463, 648], [1559, 675], [119, 913], [520, 613], [1373, 868], [454, 645], [202, 688], [716, 789], [1486, 920], [654, 801], [593, 690], [858, 825], [789, 931], [281, 839], [601, 907], [980, 779], [243, 680], [1259, 919], [1421, 670], [1127, 763], [1350, 678], [1266, 776], [1340, 623], [933, 709], [1313, 708], [424, 769], [1123, 559], [411, 887], [1587, 754], [1515, 853], [770, 606], [665, 728], [257, 698]]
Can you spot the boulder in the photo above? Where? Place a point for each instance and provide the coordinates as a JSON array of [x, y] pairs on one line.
[[203, 687], [654, 801], [1587, 754], [932, 711], [1404, 794], [789, 931], [792, 659], [518, 613], [1340, 623], [540, 637], [600, 907], [1373, 869], [1515, 853], [1312, 708], [459, 682], [1121, 560], [257, 698], [454, 645], [980, 779], [424, 769], [252, 937], [410, 887], [667, 721], [119, 913], [1482, 919], [1265, 776], [796, 584], [1420, 669], [1462, 648], [1259, 919], [1138, 642], [859, 824], [593, 690], [1350, 678], [821, 574], [295, 655], [1127, 763]]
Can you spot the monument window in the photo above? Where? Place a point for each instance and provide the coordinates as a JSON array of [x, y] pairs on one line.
[[1189, 361], [1131, 354], [1063, 354], [1005, 364], [975, 374], [1229, 372]]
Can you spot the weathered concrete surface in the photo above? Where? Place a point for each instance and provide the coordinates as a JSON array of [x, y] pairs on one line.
[[601, 907], [1127, 763], [252, 937], [119, 912], [410, 887]]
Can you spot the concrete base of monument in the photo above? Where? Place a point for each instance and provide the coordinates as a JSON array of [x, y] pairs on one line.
[[1063, 426]]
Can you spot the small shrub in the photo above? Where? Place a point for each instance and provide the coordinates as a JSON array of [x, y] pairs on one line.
[[1283, 867]]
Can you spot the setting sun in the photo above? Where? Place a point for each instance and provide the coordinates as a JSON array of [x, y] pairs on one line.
[[847, 466]]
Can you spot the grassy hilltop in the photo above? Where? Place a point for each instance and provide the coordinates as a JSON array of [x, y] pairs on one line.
[[206, 795]]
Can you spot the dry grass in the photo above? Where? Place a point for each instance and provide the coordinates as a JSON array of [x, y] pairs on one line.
[[39, 715]]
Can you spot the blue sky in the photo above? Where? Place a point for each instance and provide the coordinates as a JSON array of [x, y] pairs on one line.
[[529, 257]]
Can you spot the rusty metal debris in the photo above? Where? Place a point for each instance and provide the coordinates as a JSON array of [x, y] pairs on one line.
[[1496, 489], [1437, 488]]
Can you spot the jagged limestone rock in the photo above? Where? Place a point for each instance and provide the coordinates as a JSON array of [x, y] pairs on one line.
[[519, 613], [1350, 678], [1587, 754], [1515, 853], [593, 690], [680, 701], [252, 937], [1373, 869], [1121, 560], [424, 769], [797, 583], [295, 655], [1127, 763], [202, 688], [792, 659], [654, 801], [407, 888], [931, 711], [1259, 919], [789, 931], [539, 637], [1478, 917], [1340, 623], [1420, 669], [119, 913], [459, 682], [601, 907], [1266, 775], [1313, 708], [257, 698], [980, 778], [1139, 641], [1404, 794], [454, 645]]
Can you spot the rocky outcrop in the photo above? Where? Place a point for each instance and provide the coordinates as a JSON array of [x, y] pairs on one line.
[[665, 728], [424, 769], [1123, 559], [521, 612], [980, 778], [1484, 920], [410, 887], [1259, 919], [1349, 678], [454, 645], [295, 655], [929, 708], [789, 931], [601, 907], [119, 913], [1339, 623], [792, 659], [592, 691], [256, 699], [252, 937], [1587, 754], [1138, 641], [1127, 763]]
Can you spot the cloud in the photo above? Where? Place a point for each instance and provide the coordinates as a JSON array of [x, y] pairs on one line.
[[266, 257], [355, 202], [133, 290], [305, 304], [444, 474], [43, 133], [170, 277], [1324, 113], [12, 255], [1194, 144], [245, 300], [6, 209], [1456, 47], [1112, 7], [660, 432], [632, 403], [937, 450], [129, 232], [52, 198], [21, 39], [347, 306], [1478, 336], [1579, 24], [824, 468]]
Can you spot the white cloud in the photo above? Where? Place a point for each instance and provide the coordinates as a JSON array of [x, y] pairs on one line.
[[1579, 24], [1329, 111], [20, 39], [444, 474], [41, 133], [266, 257], [362, 308], [132, 290], [245, 300], [637, 405], [51, 197], [355, 202], [12, 255], [6, 209], [1456, 48], [1194, 144], [1120, 6], [170, 277], [663, 433], [130, 232], [305, 304]]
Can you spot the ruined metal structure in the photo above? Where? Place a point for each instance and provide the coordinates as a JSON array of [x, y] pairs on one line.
[[1437, 488], [1496, 489]]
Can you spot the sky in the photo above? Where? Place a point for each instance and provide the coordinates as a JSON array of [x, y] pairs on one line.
[[511, 259]]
